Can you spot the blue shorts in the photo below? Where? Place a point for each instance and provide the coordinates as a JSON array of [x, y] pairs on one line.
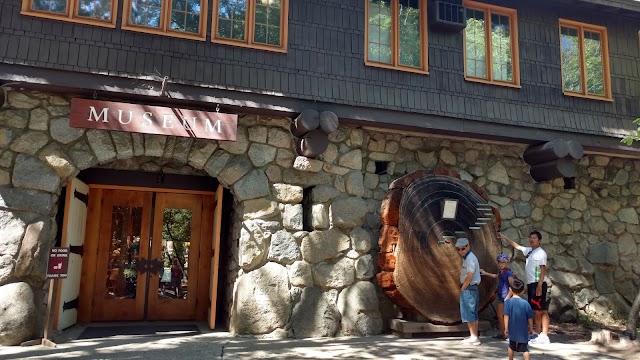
[[469, 304]]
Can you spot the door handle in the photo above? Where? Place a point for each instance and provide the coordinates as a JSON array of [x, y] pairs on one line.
[[153, 266], [156, 266]]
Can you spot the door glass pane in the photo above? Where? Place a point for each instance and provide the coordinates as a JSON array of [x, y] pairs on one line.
[[124, 250], [231, 19], [176, 240], [570, 59], [501, 63], [379, 23], [593, 61], [476, 44], [95, 9], [410, 46], [57, 6], [146, 12]]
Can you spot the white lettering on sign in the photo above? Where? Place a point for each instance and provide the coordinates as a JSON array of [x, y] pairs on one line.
[[166, 121], [120, 117], [146, 119], [93, 113]]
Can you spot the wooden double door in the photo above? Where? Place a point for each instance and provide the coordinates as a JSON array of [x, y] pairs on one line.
[[148, 263]]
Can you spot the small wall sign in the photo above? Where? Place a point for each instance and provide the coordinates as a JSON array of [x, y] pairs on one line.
[[147, 119], [58, 263]]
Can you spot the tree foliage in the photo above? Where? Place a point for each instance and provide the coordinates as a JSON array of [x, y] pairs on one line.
[[176, 227], [634, 136]]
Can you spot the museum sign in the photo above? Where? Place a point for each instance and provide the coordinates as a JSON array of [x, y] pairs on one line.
[[147, 119]]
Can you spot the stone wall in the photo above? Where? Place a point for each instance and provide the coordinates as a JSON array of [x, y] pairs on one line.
[[303, 236]]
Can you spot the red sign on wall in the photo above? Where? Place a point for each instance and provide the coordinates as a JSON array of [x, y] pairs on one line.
[[147, 119], [58, 263]]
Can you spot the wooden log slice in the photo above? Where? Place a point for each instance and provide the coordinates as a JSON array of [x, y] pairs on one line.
[[561, 168], [542, 153], [404, 181], [447, 172], [390, 208], [388, 238], [386, 261], [427, 265], [328, 121], [385, 280], [307, 120], [575, 149], [313, 144]]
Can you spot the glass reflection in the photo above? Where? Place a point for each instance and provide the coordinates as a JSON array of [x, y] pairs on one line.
[[146, 12], [124, 251], [501, 64], [409, 14], [176, 240], [57, 6], [95, 9], [593, 63], [379, 23], [267, 22], [231, 19], [476, 44], [571, 71], [185, 16]]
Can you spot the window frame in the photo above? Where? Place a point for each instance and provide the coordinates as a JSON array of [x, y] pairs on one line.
[[249, 29], [488, 9], [395, 40], [71, 14], [165, 21], [581, 27]]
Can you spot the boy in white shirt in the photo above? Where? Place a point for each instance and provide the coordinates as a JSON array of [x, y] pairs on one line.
[[536, 269]]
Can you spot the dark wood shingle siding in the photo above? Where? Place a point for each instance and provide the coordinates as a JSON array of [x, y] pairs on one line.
[[325, 62]]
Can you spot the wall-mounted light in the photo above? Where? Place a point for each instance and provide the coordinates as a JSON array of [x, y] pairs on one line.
[[449, 209]]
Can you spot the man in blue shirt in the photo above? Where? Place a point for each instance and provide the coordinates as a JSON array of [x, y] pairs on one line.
[[469, 280], [518, 320]]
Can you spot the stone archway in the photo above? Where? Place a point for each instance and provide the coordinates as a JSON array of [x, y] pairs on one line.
[[306, 292], [40, 152]]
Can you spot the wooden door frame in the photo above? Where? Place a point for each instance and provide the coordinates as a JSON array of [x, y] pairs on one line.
[[90, 251]]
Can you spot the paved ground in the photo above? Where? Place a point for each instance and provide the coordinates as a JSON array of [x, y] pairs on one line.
[[221, 345]]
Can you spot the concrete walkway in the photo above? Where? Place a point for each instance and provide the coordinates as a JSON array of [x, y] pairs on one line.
[[221, 345]]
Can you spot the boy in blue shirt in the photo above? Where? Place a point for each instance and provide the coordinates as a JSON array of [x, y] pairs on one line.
[[504, 277], [518, 320]]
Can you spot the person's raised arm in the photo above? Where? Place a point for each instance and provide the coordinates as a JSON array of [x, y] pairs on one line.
[[484, 273], [511, 242]]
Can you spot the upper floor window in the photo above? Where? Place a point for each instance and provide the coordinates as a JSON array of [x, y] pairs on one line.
[[396, 34], [258, 24], [491, 44], [179, 18], [585, 60], [95, 12]]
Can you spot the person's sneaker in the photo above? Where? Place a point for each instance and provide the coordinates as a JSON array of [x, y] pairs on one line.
[[465, 340], [541, 339], [474, 341], [533, 336], [471, 341]]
